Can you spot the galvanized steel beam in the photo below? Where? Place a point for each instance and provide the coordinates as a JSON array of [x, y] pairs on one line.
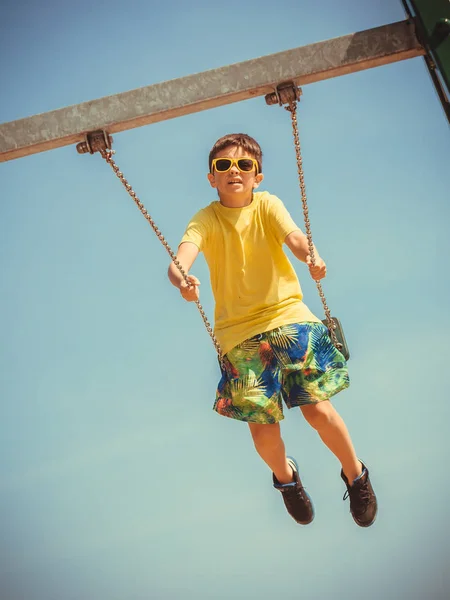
[[194, 93]]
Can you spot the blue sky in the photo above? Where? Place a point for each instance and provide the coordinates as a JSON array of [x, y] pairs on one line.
[[118, 482]]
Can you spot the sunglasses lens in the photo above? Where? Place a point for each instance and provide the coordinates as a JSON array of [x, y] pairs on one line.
[[223, 164], [245, 164]]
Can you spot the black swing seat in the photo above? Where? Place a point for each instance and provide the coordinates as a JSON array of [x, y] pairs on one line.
[[339, 333]]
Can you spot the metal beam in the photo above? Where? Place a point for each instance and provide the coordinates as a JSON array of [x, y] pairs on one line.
[[218, 87]]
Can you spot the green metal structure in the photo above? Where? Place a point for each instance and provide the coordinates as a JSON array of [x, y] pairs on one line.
[[432, 22]]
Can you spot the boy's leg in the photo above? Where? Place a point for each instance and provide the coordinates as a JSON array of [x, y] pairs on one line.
[[334, 433], [286, 479], [270, 446], [330, 426]]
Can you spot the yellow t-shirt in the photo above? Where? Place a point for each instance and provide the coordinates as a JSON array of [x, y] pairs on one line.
[[254, 284]]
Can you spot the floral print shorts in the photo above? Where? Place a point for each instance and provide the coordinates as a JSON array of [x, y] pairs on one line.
[[296, 363]]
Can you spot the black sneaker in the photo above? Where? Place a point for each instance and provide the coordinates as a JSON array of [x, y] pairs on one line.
[[363, 502], [296, 500]]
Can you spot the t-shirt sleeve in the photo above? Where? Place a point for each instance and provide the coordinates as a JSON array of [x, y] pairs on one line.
[[197, 230], [281, 222]]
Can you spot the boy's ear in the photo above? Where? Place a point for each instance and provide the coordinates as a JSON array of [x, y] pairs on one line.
[[258, 180], [211, 180]]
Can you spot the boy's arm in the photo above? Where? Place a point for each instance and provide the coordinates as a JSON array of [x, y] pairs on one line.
[[297, 242], [282, 222], [186, 255]]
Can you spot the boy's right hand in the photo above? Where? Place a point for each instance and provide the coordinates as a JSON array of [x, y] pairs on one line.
[[190, 292]]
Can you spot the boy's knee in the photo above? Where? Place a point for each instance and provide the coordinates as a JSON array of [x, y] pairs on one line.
[[265, 435], [319, 415]]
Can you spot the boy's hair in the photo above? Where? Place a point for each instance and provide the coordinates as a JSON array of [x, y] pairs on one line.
[[237, 139]]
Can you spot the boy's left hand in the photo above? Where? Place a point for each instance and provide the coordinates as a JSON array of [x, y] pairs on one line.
[[319, 270]]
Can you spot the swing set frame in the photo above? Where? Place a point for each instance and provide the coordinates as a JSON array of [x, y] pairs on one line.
[[90, 124], [218, 87]]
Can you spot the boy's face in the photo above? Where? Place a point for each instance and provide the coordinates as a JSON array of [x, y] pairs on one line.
[[234, 186]]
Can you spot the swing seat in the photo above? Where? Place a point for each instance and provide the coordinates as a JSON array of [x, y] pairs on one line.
[[339, 333]]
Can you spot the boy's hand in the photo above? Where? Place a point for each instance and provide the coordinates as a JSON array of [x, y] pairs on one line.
[[190, 292], [319, 270]]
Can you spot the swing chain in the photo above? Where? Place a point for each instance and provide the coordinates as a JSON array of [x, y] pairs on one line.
[[107, 154], [292, 108]]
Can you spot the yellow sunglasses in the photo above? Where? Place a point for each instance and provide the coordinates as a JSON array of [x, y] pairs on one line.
[[245, 165]]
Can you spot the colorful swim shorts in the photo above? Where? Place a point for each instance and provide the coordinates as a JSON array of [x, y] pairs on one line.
[[297, 363]]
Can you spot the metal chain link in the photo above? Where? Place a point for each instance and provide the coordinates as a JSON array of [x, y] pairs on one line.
[[108, 156], [292, 108]]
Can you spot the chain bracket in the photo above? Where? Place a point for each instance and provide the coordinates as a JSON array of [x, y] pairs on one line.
[[95, 141], [284, 93]]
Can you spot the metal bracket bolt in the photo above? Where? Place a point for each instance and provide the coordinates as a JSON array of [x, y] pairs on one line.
[[284, 94], [95, 141]]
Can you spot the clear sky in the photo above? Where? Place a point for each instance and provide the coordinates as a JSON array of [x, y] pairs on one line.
[[118, 481]]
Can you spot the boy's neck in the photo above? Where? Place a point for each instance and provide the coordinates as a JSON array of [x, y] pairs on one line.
[[234, 201]]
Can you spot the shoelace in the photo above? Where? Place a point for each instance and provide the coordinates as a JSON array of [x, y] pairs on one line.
[[359, 493], [292, 493]]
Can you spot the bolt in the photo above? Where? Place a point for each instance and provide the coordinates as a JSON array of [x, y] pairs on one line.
[[271, 99], [82, 148]]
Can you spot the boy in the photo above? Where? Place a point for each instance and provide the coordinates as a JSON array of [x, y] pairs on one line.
[[274, 348]]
